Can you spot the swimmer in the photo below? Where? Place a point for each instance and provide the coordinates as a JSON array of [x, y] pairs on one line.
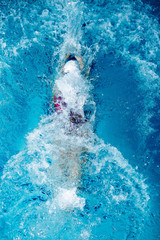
[[68, 65], [71, 166], [71, 64]]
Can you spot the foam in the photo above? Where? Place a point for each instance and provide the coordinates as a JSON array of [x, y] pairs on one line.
[[67, 199], [74, 90], [37, 173], [34, 179], [71, 66]]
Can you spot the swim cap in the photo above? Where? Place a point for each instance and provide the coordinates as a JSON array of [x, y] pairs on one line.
[[70, 66]]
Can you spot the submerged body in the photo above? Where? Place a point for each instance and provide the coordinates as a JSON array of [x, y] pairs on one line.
[[69, 100], [68, 90]]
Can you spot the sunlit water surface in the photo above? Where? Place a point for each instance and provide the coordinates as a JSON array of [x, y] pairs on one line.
[[117, 195]]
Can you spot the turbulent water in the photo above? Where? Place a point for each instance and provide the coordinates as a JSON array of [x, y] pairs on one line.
[[107, 197]]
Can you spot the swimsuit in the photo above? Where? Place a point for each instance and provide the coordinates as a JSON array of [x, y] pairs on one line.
[[76, 118], [59, 105]]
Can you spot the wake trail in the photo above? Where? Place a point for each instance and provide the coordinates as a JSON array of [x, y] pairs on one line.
[[44, 183]]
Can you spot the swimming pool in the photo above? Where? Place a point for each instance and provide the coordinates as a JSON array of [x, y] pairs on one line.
[[119, 193]]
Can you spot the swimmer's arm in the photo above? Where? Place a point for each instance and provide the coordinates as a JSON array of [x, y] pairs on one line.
[[80, 61], [62, 65], [87, 72], [81, 64], [68, 55], [54, 91]]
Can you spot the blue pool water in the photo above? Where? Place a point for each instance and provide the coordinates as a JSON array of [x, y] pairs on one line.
[[118, 194]]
